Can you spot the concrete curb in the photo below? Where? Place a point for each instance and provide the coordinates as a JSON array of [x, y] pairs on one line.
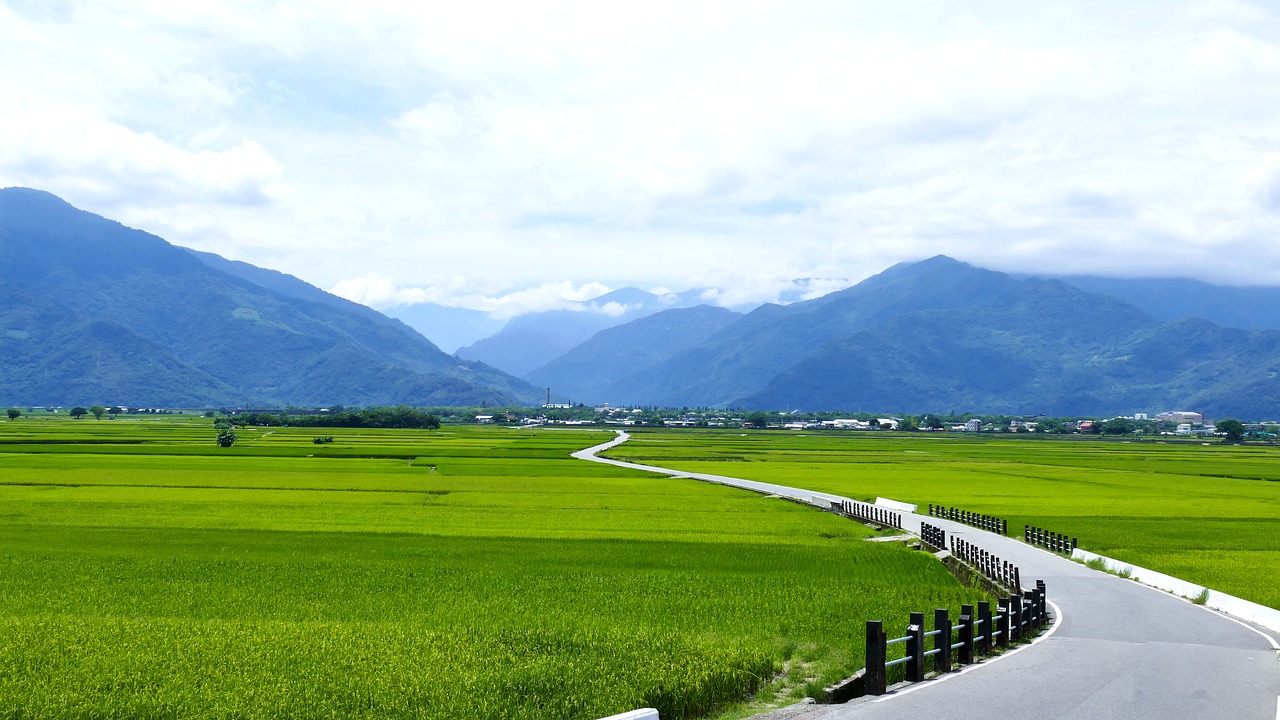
[[1229, 604]]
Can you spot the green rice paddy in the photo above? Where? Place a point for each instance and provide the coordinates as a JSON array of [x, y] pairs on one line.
[[460, 573], [1207, 513]]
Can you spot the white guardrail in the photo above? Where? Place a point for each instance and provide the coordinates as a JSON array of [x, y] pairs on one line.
[[1222, 602], [641, 714]]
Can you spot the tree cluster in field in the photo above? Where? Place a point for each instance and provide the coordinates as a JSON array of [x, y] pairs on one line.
[[226, 433], [322, 440], [376, 417]]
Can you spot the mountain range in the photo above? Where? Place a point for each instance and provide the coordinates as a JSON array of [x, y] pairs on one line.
[[940, 335], [95, 312], [529, 341]]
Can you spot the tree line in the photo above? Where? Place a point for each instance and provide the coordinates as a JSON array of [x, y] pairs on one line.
[[374, 417]]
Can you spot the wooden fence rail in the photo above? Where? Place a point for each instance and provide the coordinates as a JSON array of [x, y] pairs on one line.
[[1056, 542], [866, 512], [1001, 572], [978, 631], [933, 535], [982, 522]]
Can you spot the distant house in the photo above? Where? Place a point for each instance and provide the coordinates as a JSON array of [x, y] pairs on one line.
[[484, 418]]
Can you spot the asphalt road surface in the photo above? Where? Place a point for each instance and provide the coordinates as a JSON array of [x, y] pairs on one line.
[[1117, 649]]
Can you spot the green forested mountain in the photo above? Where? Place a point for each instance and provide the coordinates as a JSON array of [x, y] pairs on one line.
[[97, 312], [741, 359], [1247, 308], [601, 367], [940, 335]]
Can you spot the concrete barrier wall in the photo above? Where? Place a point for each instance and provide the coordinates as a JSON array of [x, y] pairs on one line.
[[641, 714], [1231, 605], [895, 505]]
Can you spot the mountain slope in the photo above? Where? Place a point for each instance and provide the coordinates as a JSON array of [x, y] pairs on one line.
[[1053, 349], [744, 357], [532, 340], [266, 345], [589, 372], [1246, 308], [52, 357]]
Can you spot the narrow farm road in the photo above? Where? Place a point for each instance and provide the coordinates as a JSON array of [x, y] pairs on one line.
[[1119, 650]]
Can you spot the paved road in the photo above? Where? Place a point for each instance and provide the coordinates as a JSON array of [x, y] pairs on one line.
[[1119, 649]]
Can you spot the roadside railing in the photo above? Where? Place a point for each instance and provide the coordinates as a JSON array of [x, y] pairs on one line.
[[867, 512], [978, 632], [1056, 542], [982, 522], [933, 535], [1000, 572]]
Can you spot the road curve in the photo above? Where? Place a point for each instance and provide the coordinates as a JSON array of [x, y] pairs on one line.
[[1120, 650]]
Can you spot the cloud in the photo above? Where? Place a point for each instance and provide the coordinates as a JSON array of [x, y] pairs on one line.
[[383, 293], [69, 146], [475, 151]]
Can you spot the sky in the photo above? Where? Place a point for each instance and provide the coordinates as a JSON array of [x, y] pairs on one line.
[[517, 156]]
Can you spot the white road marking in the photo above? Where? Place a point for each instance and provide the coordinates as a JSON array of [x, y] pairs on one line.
[[1246, 626], [1057, 620]]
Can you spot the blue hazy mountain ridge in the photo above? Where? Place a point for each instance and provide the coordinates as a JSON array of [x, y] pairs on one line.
[[940, 335], [530, 341], [50, 354], [743, 358], [1051, 349], [1247, 308], [600, 367], [450, 328], [235, 339]]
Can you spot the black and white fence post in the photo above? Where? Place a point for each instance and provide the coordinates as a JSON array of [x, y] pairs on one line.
[[1015, 617], [1002, 622], [966, 635], [1042, 601], [942, 641], [915, 648], [984, 616], [875, 675]]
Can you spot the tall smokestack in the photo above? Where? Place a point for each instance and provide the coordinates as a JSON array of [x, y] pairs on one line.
[[548, 396]]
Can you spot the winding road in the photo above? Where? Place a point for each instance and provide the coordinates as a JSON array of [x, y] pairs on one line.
[[1117, 649]]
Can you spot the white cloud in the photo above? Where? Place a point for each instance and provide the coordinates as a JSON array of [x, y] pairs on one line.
[[380, 292], [737, 145]]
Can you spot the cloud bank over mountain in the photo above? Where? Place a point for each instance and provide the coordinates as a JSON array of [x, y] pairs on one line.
[[512, 156]]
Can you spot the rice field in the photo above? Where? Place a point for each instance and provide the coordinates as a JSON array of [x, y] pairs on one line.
[[466, 572], [1207, 513]]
